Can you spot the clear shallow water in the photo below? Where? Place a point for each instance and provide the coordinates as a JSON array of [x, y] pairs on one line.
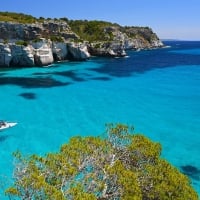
[[156, 91]]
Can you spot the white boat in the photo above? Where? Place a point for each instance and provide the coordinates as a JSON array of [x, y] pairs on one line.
[[5, 125]]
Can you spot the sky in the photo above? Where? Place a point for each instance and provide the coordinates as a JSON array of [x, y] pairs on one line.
[[169, 19]]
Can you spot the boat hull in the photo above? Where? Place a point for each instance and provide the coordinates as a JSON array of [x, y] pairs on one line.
[[7, 125]]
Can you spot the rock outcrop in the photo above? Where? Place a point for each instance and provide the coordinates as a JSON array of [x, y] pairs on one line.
[[21, 55], [43, 54], [59, 50], [5, 55], [43, 42], [78, 51], [109, 49], [134, 37], [124, 38], [11, 31]]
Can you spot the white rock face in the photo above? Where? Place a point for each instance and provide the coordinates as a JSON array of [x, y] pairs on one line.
[[157, 43], [43, 53], [21, 55], [59, 50], [5, 55], [109, 49], [78, 51]]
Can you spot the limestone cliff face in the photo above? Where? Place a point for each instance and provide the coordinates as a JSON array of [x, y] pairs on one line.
[[16, 31], [59, 50], [135, 37], [21, 55], [5, 55], [124, 38], [109, 49], [78, 51], [38, 50], [43, 54], [42, 43]]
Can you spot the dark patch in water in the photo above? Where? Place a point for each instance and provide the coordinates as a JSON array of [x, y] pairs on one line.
[[191, 171], [102, 78], [2, 74], [69, 74], [3, 138], [28, 95], [39, 82], [143, 61], [140, 62]]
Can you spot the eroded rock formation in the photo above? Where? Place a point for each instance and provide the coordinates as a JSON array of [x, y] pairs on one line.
[[43, 43]]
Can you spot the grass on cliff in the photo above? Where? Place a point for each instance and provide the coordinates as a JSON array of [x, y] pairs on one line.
[[17, 17]]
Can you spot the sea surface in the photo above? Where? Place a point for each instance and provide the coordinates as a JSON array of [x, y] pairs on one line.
[[156, 91]]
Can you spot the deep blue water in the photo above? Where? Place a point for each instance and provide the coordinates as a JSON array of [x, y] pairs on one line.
[[157, 91]]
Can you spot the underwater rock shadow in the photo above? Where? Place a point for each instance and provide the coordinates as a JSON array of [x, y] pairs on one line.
[[75, 76], [191, 171], [3, 74], [101, 79], [145, 61], [28, 95], [69, 74], [3, 137], [39, 82]]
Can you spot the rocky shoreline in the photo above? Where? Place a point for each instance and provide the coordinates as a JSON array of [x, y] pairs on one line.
[[41, 44]]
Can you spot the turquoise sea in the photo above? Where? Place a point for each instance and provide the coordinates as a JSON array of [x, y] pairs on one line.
[[157, 91]]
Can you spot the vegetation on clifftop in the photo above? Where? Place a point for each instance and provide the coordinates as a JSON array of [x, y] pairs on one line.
[[91, 30], [17, 17], [121, 166]]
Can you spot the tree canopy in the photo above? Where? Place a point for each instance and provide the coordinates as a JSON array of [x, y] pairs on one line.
[[122, 165]]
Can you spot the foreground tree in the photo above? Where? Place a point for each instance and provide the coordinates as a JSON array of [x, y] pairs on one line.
[[120, 166]]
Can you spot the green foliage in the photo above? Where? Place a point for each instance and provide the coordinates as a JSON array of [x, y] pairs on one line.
[[144, 33], [55, 38], [5, 41], [37, 40], [17, 17], [21, 42], [121, 166], [91, 30], [64, 19], [41, 19]]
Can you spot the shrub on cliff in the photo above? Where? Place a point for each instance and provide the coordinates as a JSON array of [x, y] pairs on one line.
[[91, 30], [121, 166], [21, 42], [55, 38], [17, 17]]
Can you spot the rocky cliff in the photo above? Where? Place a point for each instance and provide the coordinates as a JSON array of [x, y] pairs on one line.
[[44, 41], [13, 31], [41, 53], [124, 38]]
